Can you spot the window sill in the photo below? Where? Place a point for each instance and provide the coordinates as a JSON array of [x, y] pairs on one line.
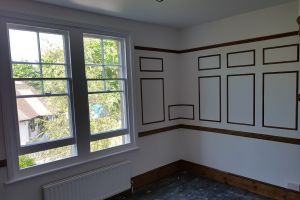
[[23, 178]]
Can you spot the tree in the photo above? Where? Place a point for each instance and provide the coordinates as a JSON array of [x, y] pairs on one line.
[[25, 161], [58, 126]]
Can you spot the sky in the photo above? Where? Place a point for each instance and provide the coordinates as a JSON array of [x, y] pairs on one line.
[[24, 44]]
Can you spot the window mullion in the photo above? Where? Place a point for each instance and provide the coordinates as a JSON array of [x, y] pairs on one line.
[[82, 129]]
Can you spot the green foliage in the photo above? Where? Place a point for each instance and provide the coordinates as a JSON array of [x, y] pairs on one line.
[[110, 102], [92, 51], [59, 126], [111, 52], [25, 162], [25, 71]]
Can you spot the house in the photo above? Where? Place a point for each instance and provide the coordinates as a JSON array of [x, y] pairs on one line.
[[29, 109], [157, 99]]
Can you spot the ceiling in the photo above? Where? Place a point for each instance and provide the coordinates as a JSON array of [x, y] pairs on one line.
[[173, 13]]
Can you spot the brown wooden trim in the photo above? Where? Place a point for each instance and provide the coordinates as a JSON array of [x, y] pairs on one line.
[[215, 55], [163, 87], [155, 175], [186, 105], [296, 100], [259, 136], [3, 163], [152, 58], [253, 112], [220, 98], [159, 130], [251, 185], [156, 49], [237, 42], [256, 39], [284, 61], [238, 52]]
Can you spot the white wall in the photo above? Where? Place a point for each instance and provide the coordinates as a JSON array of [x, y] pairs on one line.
[[154, 151], [149, 156], [278, 19], [144, 34], [267, 161], [271, 162]]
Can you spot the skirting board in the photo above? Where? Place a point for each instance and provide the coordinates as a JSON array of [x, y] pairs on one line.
[[258, 187], [155, 175]]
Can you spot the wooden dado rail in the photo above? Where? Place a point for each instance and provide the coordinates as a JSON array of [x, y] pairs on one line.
[[258, 187], [259, 136], [237, 42]]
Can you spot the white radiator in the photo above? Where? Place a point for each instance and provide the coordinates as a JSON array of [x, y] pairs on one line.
[[94, 185]]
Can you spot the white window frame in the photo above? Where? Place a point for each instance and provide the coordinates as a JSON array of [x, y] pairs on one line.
[[81, 130], [122, 131], [41, 146]]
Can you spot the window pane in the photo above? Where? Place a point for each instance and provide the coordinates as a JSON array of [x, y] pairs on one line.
[[95, 86], [92, 50], [106, 112], [28, 88], [25, 71], [23, 46], [114, 85], [43, 157], [108, 85], [109, 143], [43, 119], [40, 87], [111, 52], [35, 71], [55, 87], [52, 48], [94, 72], [54, 71], [113, 72]]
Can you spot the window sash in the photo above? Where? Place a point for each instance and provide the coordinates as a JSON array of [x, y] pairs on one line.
[[42, 146], [123, 79], [103, 65], [108, 134], [45, 145], [68, 86], [37, 63], [78, 100]]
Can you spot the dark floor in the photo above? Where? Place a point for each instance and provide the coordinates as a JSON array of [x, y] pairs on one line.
[[186, 187]]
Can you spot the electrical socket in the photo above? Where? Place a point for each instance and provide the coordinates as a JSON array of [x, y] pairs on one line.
[[294, 186]]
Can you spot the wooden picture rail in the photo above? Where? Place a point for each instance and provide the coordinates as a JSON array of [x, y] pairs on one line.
[[259, 136], [251, 185], [237, 42]]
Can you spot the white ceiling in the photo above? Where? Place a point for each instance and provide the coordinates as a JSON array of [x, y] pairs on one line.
[[174, 13]]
